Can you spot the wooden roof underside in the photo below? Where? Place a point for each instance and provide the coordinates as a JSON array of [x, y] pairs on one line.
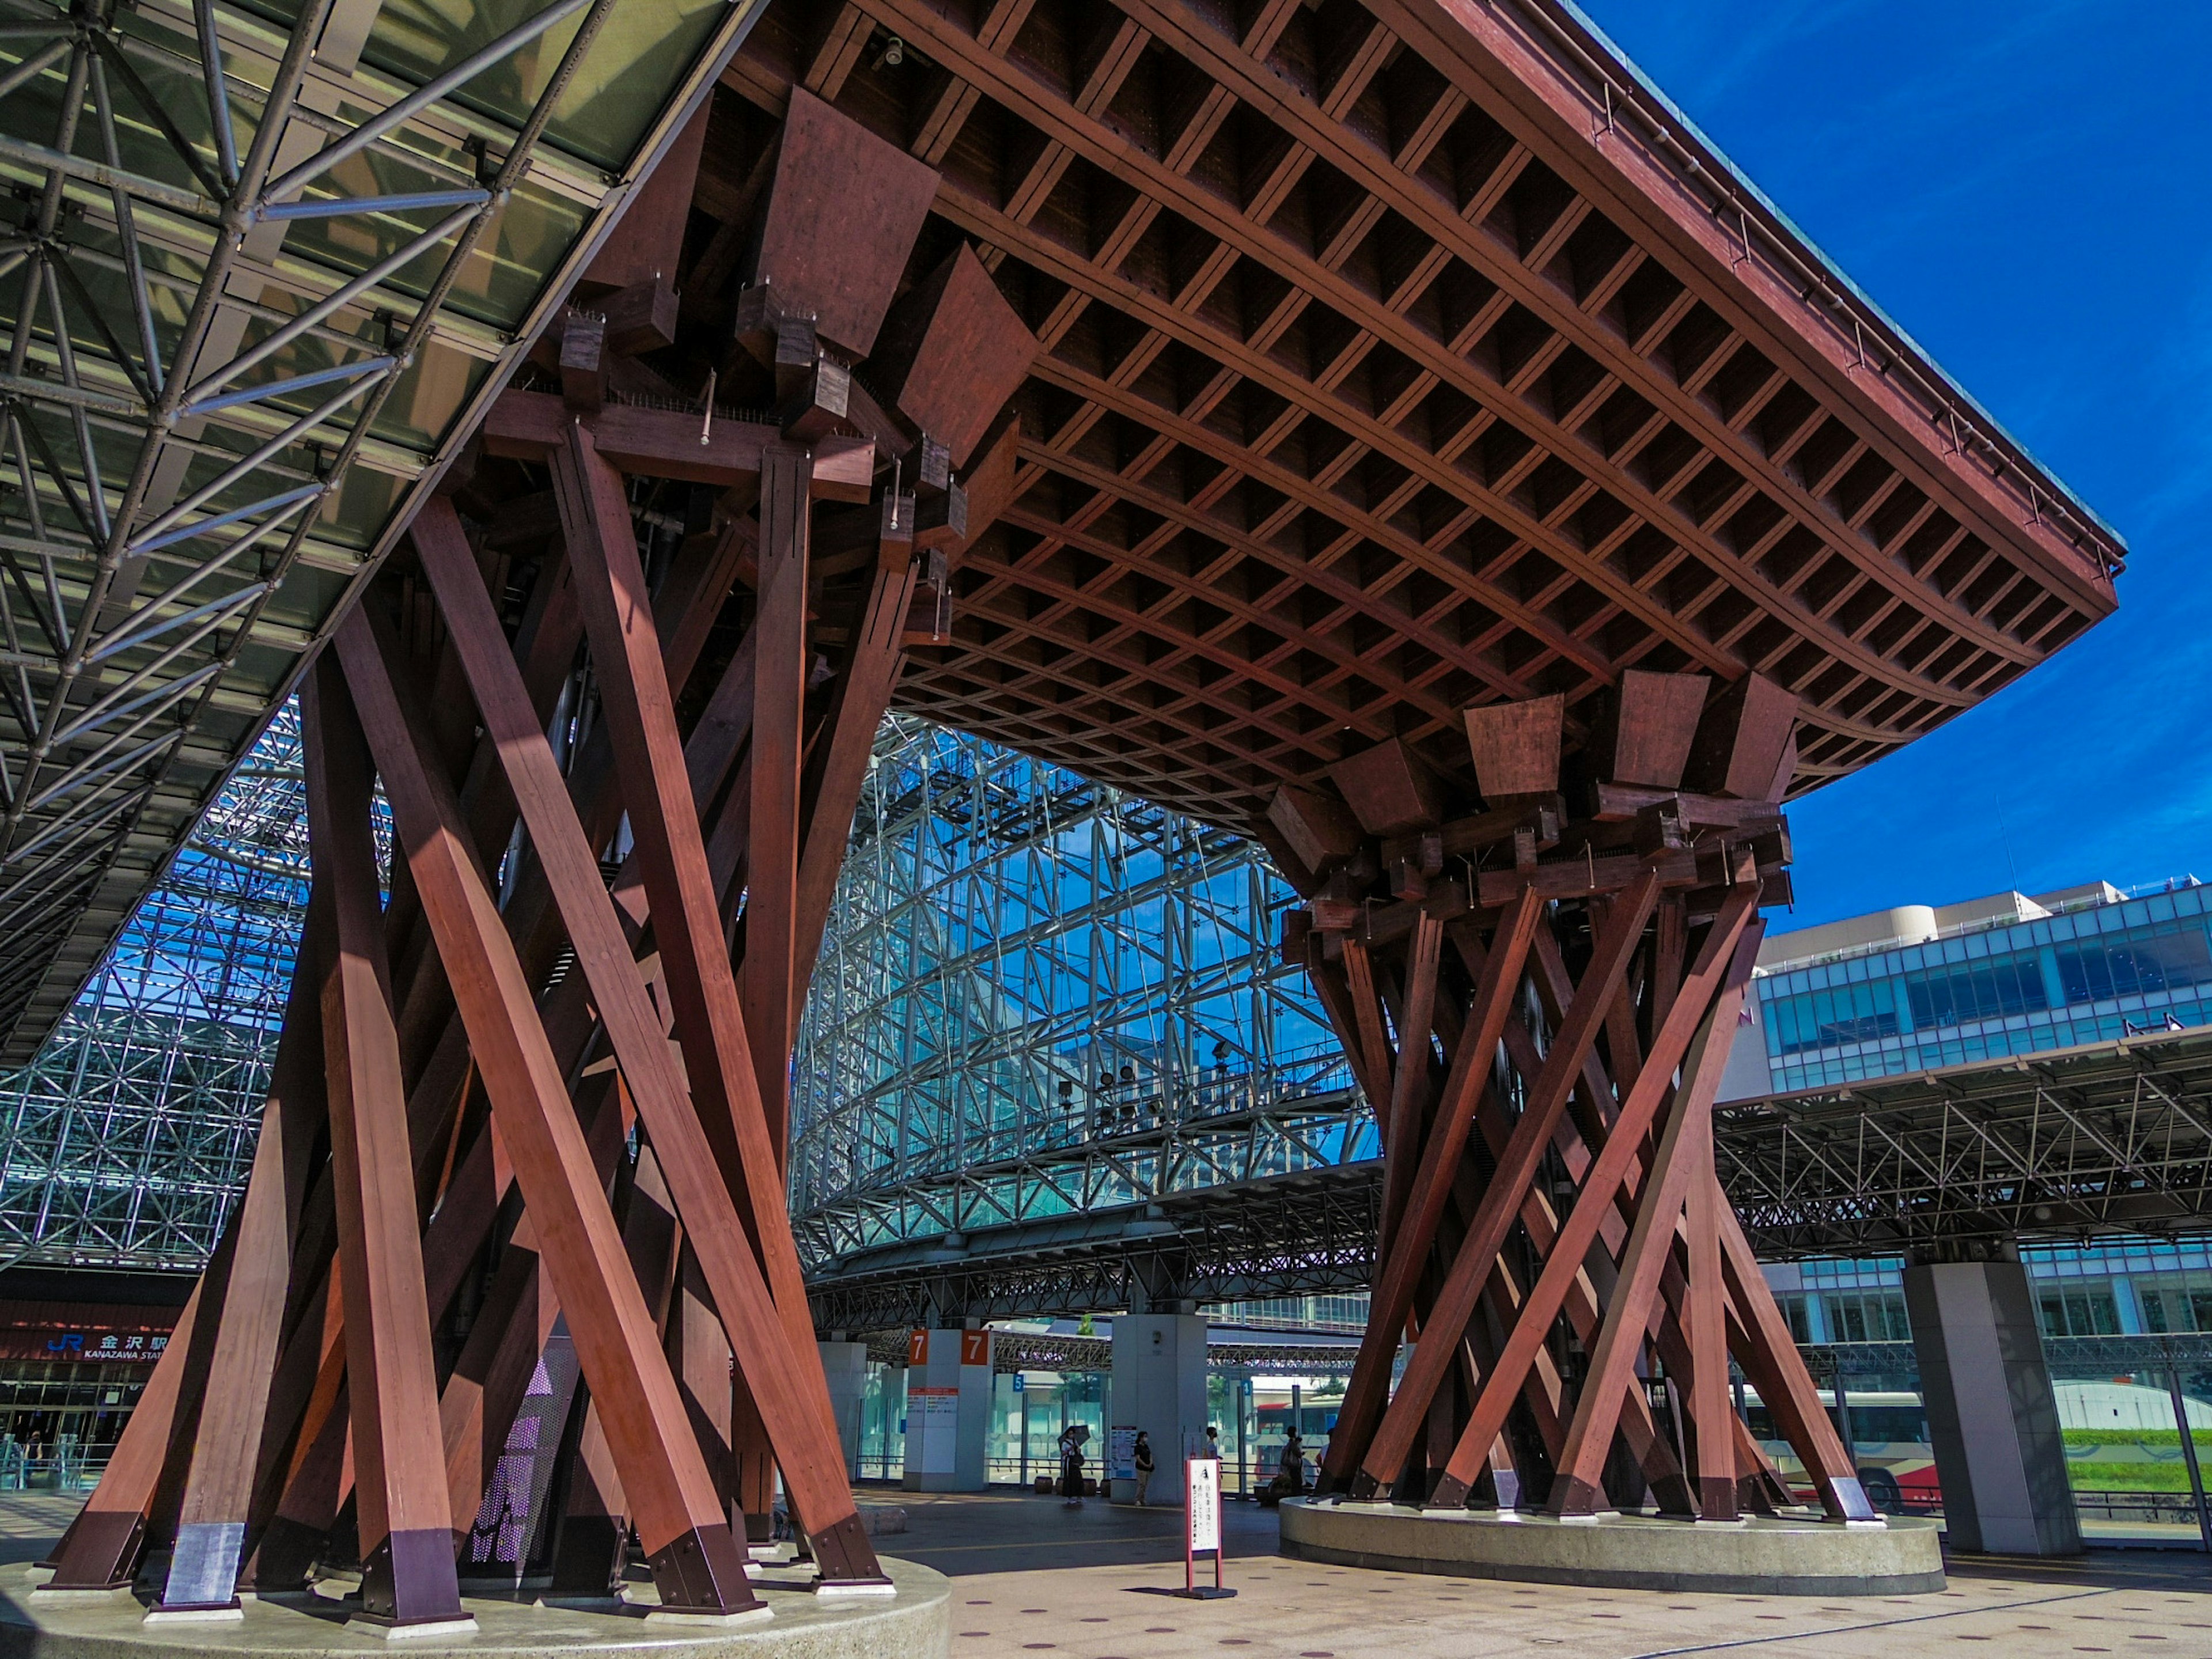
[[1379, 379]]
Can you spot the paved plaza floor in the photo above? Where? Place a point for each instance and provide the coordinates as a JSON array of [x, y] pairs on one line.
[[1032, 1577]]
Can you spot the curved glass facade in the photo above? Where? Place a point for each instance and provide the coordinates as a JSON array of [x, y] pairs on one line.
[[1038, 994], [124, 1142]]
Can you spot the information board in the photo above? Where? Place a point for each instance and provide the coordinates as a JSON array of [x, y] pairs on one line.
[[1121, 1452], [1202, 1482], [933, 1414]]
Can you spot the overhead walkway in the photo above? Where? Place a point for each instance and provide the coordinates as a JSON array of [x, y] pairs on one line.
[[2113, 1137]]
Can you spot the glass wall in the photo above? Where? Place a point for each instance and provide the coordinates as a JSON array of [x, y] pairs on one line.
[[2089, 975]]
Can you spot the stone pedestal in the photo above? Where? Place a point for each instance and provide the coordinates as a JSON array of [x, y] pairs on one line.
[[948, 1410], [1764, 1555], [1991, 1414], [913, 1621], [1159, 1387]]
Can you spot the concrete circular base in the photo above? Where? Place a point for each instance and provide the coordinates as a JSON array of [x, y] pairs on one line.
[[1761, 1556], [916, 1620]]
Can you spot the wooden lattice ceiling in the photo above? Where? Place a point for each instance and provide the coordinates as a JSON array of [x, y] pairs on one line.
[[1401, 357]]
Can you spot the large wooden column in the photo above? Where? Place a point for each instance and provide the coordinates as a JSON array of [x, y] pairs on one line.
[[619, 617], [404, 1522], [218, 1492], [1589, 885]]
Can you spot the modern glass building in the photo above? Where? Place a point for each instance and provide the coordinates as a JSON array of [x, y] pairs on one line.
[[1026, 976], [1923, 987]]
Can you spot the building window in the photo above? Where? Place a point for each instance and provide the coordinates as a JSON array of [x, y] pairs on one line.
[[1989, 990], [2177, 1308], [1826, 1019], [1868, 1316], [1800, 1325], [2134, 965], [2079, 1313]]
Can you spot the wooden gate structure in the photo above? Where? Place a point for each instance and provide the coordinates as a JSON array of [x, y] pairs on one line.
[[1378, 426]]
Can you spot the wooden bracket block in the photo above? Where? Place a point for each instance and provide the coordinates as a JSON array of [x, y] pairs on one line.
[[1741, 739], [583, 362], [1319, 830], [641, 317], [1390, 789], [1644, 733], [818, 410], [1304, 881], [1769, 840], [932, 465], [844, 208], [1661, 828], [1333, 915], [1515, 747], [944, 520], [990, 481], [1785, 770], [797, 350], [953, 352], [1537, 822], [760, 323], [893, 532], [1416, 866], [664, 443]]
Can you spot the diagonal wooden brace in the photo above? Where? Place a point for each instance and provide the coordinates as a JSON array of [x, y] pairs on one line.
[[635, 1029], [405, 1524], [1678, 1162], [1495, 990], [1594, 1200], [709, 1020], [1501, 1201], [694, 1559]]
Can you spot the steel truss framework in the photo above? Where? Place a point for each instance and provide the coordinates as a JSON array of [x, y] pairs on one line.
[[126, 1142], [262, 266], [1285, 1235], [2068, 1357], [1040, 995], [2111, 1137]]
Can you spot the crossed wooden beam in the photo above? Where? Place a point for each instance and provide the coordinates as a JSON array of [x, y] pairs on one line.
[[1540, 999], [538, 1073]]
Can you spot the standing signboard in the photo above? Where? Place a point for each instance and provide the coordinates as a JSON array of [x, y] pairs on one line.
[[1202, 1533]]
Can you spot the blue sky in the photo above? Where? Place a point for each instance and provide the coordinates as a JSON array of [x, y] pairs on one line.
[[2023, 186]]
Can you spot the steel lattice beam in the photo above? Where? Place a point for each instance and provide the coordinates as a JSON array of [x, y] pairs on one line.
[[247, 261]]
